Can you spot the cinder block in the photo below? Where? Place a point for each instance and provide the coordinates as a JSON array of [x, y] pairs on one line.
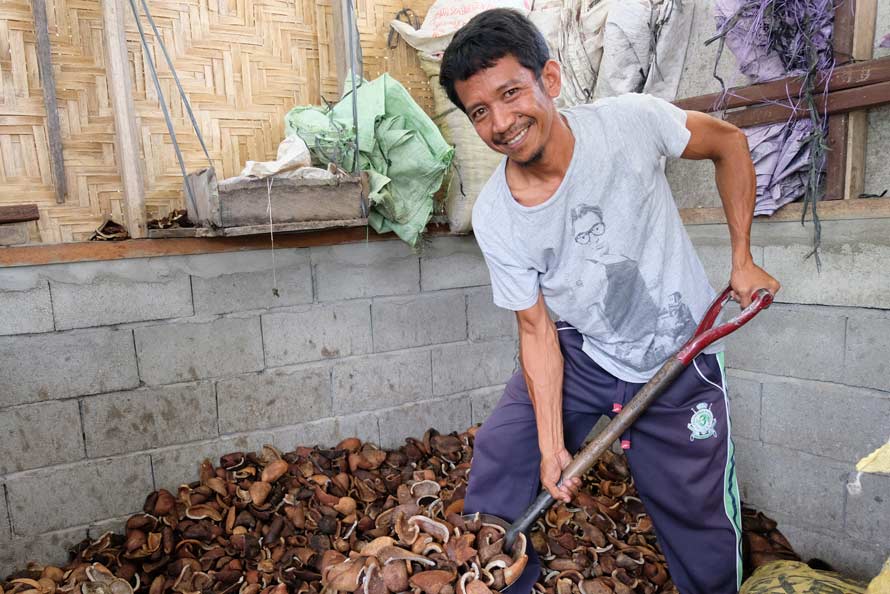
[[37, 435], [853, 558], [770, 477], [378, 381], [243, 290], [317, 332], [825, 419], [466, 366], [5, 531], [483, 401], [148, 418], [47, 549], [103, 302], [693, 184], [369, 269], [114, 525], [487, 321], [716, 259], [173, 353], [418, 320], [744, 402], [272, 399], [452, 262], [868, 512], [847, 276], [50, 366], [791, 341], [866, 361], [14, 234], [327, 432], [26, 312], [179, 465], [64, 496], [412, 420]]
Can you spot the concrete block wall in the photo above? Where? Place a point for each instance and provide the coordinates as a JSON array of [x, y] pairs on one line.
[[371, 340], [809, 386], [118, 378]]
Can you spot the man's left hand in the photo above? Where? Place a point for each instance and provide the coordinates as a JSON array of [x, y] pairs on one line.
[[747, 278]]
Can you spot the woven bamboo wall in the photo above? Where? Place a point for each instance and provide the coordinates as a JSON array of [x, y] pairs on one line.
[[243, 63]]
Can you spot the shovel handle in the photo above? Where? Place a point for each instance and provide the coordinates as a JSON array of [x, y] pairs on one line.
[[704, 335]]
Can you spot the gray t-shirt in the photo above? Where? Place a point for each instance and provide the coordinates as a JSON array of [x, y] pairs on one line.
[[608, 250]]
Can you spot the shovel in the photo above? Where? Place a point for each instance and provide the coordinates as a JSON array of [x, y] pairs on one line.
[[704, 335]]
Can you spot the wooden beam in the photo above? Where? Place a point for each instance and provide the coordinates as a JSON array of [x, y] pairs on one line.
[[835, 210], [48, 82], [838, 102], [845, 13], [836, 157], [857, 121], [18, 213], [126, 137], [848, 76], [91, 251]]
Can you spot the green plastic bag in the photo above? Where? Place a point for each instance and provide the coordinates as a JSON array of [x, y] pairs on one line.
[[399, 146]]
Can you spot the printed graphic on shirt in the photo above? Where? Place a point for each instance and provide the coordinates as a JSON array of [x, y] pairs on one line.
[[619, 305]]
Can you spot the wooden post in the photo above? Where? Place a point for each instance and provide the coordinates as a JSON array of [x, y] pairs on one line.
[[842, 39], [857, 121], [341, 42], [48, 82], [127, 139]]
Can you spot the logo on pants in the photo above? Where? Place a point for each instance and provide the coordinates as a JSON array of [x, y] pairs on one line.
[[702, 424]]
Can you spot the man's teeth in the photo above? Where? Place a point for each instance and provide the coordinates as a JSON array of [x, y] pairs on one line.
[[517, 138]]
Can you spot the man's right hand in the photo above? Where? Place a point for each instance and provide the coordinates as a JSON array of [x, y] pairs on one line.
[[552, 466]]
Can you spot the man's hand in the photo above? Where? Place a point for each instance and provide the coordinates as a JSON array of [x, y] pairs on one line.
[[551, 470], [747, 278]]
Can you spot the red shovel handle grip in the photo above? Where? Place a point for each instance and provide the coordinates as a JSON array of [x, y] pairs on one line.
[[705, 334]]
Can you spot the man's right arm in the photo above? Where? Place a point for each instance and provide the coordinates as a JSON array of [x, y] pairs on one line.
[[542, 366]]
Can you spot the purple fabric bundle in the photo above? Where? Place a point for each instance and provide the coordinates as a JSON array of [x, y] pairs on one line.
[[772, 39]]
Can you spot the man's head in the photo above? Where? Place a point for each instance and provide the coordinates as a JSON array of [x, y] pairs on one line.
[[497, 69], [588, 228]]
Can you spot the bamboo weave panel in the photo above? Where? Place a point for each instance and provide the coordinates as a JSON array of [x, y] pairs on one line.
[[243, 63]]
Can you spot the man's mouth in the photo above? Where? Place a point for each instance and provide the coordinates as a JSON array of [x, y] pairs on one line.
[[516, 138]]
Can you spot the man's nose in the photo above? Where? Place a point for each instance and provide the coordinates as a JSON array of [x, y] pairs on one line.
[[502, 120]]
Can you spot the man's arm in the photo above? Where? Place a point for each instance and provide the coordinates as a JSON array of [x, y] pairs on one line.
[[727, 147], [542, 366]]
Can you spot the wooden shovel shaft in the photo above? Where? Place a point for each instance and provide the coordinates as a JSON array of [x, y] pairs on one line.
[[587, 457]]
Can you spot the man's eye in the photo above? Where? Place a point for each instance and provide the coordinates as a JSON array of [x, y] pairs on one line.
[[511, 92], [477, 114]]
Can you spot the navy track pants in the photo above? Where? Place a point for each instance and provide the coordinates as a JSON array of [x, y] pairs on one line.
[[680, 456]]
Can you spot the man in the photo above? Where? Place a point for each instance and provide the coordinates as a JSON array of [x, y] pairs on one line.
[[579, 216]]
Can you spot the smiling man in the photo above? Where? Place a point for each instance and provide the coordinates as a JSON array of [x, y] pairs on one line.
[[579, 217]]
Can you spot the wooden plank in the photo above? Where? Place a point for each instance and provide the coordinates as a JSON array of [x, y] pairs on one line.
[[836, 157], [19, 213], [48, 82], [838, 102], [857, 121], [842, 36], [126, 137], [835, 210], [848, 76], [256, 229], [91, 251]]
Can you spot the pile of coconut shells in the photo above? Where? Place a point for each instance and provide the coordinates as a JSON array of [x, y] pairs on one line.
[[358, 519]]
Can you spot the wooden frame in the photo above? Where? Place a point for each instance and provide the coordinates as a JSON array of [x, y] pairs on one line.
[[858, 83]]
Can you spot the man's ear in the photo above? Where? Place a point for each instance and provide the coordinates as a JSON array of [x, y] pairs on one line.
[[551, 78]]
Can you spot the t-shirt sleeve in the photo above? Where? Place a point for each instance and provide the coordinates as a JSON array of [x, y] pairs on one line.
[[664, 122], [514, 286]]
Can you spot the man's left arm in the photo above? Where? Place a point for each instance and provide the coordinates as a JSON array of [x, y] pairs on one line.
[[727, 147]]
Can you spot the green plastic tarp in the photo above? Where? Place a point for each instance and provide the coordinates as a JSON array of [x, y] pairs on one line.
[[399, 146]]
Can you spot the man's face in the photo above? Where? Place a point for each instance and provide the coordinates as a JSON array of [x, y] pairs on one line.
[[512, 111]]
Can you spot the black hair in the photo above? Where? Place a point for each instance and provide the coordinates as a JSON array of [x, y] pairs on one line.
[[485, 39], [583, 209]]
